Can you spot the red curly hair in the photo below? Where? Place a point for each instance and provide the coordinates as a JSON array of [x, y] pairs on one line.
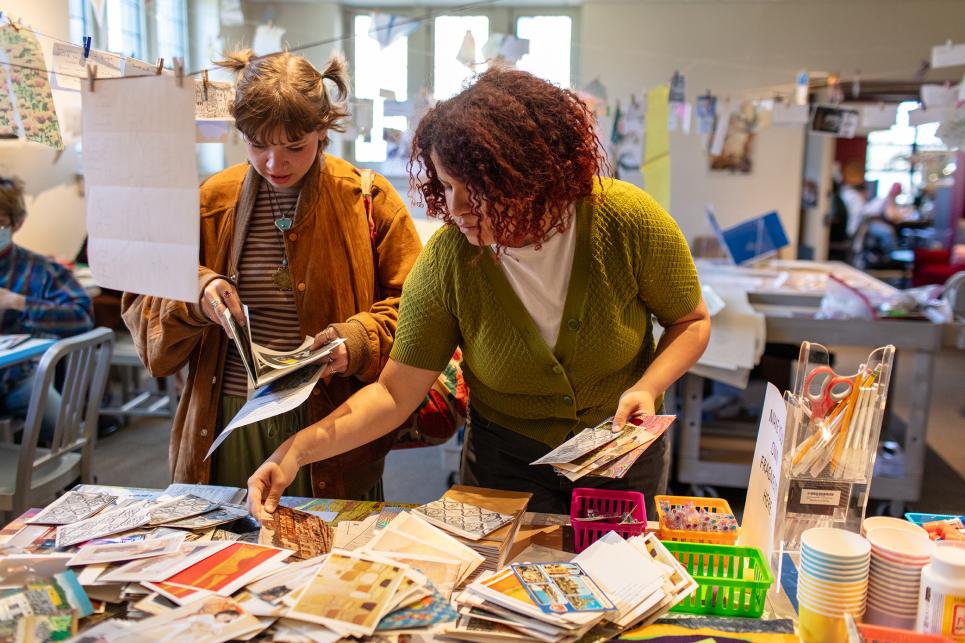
[[522, 146]]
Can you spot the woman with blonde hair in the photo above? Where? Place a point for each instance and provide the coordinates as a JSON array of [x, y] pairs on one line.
[[291, 236]]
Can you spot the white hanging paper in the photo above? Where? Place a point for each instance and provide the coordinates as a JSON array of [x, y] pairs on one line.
[[467, 52], [231, 13], [387, 28], [505, 46], [141, 180], [939, 96], [720, 133], [947, 55], [878, 116], [922, 115], [267, 39], [785, 115]]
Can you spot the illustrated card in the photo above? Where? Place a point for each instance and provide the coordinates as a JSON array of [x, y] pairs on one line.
[[210, 620], [230, 568], [114, 552], [559, 588], [350, 592], [470, 520], [159, 568], [72, 507], [304, 533], [103, 524], [580, 444], [180, 508], [220, 516]]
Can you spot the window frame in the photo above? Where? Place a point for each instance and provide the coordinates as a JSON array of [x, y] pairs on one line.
[[420, 53]]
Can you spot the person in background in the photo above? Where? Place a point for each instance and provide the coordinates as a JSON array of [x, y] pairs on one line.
[[547, 276], [853, 194], [288, 236], [886, 207], [38, 297]]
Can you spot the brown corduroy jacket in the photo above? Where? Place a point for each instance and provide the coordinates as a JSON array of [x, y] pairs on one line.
[[330, 258]]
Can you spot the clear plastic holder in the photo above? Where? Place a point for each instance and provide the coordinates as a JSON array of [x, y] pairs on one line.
[[833, 425]]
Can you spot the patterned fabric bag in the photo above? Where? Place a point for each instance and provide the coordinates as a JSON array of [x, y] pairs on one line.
[[444, 410]]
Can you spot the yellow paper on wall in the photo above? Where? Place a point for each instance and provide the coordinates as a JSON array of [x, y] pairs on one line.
[[656, 151]]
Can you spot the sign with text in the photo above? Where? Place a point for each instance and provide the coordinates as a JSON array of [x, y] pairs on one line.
[[760, 507]]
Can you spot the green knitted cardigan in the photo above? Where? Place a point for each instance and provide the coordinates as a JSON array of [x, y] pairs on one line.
[[631, 261]]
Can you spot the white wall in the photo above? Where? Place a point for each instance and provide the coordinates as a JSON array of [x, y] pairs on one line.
[[55, 224], [737, 48]]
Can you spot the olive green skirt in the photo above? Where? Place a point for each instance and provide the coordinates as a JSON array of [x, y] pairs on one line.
[[248, 447]]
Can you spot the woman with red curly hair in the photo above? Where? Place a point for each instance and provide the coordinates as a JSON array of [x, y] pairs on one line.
[[547, 276]]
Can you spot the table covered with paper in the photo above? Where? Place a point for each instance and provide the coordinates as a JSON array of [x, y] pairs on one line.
[[188, 563]]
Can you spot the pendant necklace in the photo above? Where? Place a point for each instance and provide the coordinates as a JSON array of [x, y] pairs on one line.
[[282, 276]]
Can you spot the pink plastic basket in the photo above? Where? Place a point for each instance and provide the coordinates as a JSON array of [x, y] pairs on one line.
[[600, 502]]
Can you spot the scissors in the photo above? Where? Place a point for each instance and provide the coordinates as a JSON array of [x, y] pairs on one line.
[[833, 390]]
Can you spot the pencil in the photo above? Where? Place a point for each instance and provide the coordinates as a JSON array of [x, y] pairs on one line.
[[860, 381]]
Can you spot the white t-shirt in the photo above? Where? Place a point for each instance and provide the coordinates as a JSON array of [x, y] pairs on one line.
[[541, 278]]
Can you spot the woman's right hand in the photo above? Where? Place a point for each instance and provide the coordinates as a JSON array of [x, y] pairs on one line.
[[217, 295], [266, 485]]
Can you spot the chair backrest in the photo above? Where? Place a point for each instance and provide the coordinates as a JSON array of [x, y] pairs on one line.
[[87, 360]]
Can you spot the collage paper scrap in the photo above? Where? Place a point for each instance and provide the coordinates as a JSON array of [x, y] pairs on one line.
[[29, 88]]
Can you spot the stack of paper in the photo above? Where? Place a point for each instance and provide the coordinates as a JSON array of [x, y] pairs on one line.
[[612, 585], [442, 558], [486, 520], [598, 451]]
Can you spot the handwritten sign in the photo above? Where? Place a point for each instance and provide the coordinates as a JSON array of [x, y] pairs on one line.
[[760, 508]]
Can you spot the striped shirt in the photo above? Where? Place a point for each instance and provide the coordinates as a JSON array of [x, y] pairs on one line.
[[272, 312], [57, 306]]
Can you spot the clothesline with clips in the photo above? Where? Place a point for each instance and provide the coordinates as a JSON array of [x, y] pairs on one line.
[[203, 73]]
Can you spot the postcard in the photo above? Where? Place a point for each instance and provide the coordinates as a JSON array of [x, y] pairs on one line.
[[561, 587], [582, 443], [214, 493], [305, 534], [470, 521], [350, 592], [45, 596], [220, 516], [160, 568], [72, 507], [16, 569], [292, 577], [177, 594], [180, 508], [430, 610], [212, 619], [103, 524], [230, 568], [93, 554]]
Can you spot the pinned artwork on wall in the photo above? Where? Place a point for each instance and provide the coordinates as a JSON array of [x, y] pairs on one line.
[[706, 113], [736, 151], [834, 121]]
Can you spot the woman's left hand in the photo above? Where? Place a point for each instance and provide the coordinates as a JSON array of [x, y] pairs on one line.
[[633, 402], [338, 358]]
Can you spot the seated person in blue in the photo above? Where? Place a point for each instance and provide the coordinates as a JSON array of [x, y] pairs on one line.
[[38, 297]]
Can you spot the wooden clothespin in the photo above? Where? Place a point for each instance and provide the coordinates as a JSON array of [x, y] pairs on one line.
[[91, 75], [179, 72], [14, 23], [87, 43], [204, 84], [159, 66]]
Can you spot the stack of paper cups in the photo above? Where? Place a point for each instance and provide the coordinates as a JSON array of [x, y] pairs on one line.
[[832, 582], [897, 556], [876, 522]]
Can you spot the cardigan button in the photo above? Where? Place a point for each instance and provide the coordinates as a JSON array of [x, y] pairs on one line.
[[557, 369], [321, 486], [204, 432], [573, 324], [293, 236], [567, 400], [301, 287], [316, 392]]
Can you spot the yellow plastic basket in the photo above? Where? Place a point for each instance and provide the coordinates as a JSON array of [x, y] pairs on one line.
[[713, 505]]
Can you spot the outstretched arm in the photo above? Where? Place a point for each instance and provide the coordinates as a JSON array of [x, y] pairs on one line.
[[371, 413]]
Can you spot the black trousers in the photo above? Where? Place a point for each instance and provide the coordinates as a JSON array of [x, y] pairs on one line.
[[496, 457]]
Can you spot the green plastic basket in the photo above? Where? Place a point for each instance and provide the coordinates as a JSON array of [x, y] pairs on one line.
[[731, 580]]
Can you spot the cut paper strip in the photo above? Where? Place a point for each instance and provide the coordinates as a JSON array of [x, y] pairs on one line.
[[947, 55]]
